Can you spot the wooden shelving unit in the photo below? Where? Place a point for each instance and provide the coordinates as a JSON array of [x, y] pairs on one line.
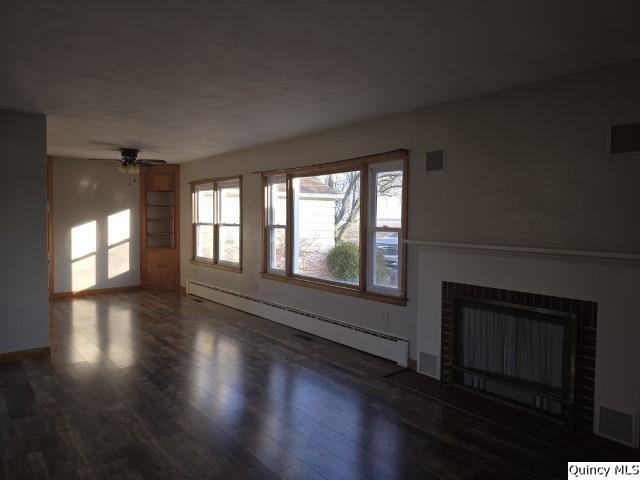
[[159, 200]]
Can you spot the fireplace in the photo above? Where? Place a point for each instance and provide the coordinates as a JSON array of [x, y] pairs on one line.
[[532, 351]]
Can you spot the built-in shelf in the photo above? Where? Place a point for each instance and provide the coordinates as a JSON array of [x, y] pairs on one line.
[[160, 216], [159, 200]]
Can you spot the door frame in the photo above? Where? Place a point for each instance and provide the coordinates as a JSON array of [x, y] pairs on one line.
[[50, 243]]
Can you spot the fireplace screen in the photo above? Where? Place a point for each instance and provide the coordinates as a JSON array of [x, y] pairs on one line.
[[519, 353]]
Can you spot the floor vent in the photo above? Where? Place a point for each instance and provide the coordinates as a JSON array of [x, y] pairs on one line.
[[428, 364], [619, 426], [370, 341], [435, 160], [303, 337]]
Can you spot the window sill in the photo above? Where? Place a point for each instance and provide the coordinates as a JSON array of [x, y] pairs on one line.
[[350, 291], [219, 266]]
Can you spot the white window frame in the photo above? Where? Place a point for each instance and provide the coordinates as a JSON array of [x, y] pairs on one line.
[[216, 185], [196, 223], [372, 228], [218, 216], [272, 227]]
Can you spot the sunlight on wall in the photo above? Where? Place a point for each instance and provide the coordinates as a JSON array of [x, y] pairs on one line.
[[83, 240], [83, 249], [118, 234], [118, 262], [83, 273], [118, 227]]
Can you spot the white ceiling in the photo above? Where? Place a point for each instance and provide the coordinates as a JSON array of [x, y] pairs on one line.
[[187, 79]]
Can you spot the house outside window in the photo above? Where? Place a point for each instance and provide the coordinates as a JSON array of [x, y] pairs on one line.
[[339, 226]]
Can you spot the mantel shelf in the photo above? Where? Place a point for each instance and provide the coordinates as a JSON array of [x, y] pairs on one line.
[[631, 259]]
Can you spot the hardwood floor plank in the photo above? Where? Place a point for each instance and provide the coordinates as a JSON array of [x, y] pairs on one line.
[[154, 385]]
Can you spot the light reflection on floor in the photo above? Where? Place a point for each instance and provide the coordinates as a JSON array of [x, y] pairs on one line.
[[282, 403]]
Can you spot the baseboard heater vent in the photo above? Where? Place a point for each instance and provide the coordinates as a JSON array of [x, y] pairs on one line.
[[619, 426], [370, 341]]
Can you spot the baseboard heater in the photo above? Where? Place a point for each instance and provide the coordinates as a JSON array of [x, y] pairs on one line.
[[370, 341]]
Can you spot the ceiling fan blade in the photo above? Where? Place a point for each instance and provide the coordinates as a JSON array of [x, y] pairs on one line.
[[151, 162]]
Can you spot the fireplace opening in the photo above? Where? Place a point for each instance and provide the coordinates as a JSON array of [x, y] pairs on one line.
[[518, 353], [567, 394]]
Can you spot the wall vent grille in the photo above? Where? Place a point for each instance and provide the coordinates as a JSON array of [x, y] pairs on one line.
[[618, 426], [436, 160], [428, 364], [625, 138]]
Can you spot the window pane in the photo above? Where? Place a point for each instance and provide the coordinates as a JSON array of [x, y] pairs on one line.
[[229, 244], [204, 204], [204, 241], [277, 201], [277, 249], [327, 226], [389, 199], [386, 266], [230, 204]]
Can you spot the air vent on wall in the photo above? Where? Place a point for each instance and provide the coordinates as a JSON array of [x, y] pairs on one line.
[[618, 426], [436, 160], [625, 138], [428, 364]]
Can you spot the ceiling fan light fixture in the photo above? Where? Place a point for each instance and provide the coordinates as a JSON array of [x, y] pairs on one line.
[[130, 169]]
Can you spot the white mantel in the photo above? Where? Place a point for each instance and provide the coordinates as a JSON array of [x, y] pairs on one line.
[[610, 279]]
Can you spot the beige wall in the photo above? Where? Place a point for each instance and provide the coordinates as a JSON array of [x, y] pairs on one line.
[[24, 320], [86, 194], [526, 166]]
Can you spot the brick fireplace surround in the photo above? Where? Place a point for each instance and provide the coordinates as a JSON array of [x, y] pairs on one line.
[[585, 345]]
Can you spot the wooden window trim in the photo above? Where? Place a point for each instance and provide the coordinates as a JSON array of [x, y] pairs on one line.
[[337, 288], [362, 164], [215, 262]]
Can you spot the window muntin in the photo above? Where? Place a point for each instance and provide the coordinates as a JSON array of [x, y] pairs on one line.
[[330, 208], [217, 222]]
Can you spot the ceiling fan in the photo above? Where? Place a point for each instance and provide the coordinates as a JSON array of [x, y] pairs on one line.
[[130, 163]]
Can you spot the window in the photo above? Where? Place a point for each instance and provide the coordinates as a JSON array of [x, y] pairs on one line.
[[326, 227], [217, 222], [339, 226], [276, 224], [384, 228]]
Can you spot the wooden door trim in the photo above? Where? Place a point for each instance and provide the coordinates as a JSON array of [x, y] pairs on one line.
[[50, 240]]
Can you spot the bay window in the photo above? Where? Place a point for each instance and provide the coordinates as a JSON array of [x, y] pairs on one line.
[[217, 222], [339, 226]]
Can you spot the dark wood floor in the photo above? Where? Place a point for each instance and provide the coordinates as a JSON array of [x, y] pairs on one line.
[[152, 385]]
